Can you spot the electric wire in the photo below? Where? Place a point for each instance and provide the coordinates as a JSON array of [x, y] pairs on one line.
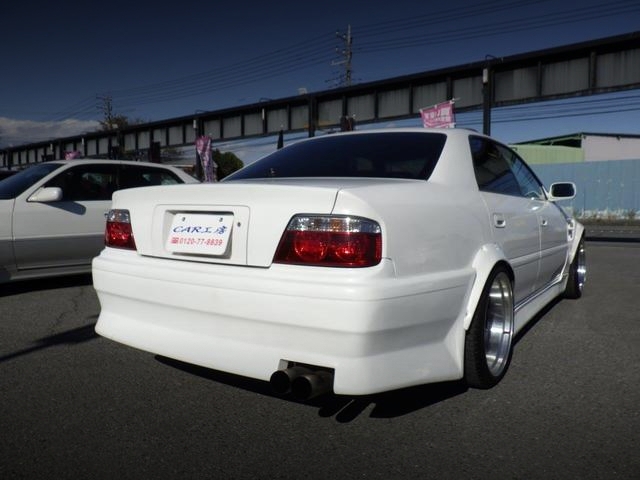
[[314, 51], [492, 29], [292, 52], [251, 65], [209, 89], [439, 17]]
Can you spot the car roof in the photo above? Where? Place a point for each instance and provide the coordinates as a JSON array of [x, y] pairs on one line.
[[449, 132]]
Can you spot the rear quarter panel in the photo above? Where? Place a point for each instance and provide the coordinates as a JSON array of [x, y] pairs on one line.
[[426, 228]]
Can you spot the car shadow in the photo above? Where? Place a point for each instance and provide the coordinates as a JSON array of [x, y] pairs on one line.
[[533, 322], [25, 286], [73, 336], [70, 207], [606, 239], [395, 403], [345, 408]]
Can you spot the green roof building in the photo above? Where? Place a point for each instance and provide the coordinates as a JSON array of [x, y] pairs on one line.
[[580, 147]]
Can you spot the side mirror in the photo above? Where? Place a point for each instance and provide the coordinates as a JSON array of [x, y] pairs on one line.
[[46, 195], [562, 191]]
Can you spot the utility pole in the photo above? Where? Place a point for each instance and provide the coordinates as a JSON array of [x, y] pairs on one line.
[[486, 100], [487, 92], [346, 52]]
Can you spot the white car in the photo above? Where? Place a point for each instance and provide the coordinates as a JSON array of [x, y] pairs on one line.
[[358, 263], [52, 215]]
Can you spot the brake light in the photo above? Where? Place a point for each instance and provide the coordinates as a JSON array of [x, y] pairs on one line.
[[330, 241], [118, 233]]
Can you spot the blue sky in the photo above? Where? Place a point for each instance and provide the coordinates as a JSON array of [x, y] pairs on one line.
[[164, 59]]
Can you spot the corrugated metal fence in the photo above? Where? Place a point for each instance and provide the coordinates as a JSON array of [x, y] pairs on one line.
[[607, 187]]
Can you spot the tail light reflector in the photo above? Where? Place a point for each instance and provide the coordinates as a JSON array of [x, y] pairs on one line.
[[118, 233], [330, 241]]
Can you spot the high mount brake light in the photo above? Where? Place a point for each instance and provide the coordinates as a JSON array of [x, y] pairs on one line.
[[118, 233], [330, 241]]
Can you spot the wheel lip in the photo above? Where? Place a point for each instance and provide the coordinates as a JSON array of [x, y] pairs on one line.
[[581, 266], [499, 324]]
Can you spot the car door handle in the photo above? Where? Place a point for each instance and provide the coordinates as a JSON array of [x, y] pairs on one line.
[[544, 222], [499, 221]]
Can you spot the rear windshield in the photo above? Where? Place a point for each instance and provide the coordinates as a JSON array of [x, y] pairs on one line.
[[386, 155], [14, 185]]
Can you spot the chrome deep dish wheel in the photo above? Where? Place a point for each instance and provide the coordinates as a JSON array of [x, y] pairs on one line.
[[498, 330], [487, 347], [577, 273]]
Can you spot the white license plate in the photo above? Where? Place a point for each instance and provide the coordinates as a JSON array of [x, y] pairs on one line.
[[200, 234]]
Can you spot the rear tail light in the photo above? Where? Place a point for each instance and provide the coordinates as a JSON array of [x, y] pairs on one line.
[[330, 241], [118, 232]]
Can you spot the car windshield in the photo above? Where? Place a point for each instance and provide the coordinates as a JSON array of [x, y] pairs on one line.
[[386, 155], [14, 185]]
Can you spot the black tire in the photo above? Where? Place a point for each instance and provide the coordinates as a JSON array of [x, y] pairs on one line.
[[577, 273], [487, 352]]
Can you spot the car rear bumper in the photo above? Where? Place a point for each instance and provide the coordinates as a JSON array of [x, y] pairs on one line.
[[377, 331]]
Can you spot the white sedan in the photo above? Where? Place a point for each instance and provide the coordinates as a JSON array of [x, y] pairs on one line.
[[354, 263], [52, 215]]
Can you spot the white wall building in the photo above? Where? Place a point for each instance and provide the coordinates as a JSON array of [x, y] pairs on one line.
[[595, 146]]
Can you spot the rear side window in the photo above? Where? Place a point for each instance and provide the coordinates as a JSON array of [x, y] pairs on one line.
[[133, 176], [388, 155], [530, 186], [86, 182], [492, 168], [499, 170]]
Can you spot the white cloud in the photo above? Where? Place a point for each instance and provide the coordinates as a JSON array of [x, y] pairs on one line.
[[17, 132]]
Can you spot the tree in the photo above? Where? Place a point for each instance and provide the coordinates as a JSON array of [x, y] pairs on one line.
[[114, 121], [227, 162]]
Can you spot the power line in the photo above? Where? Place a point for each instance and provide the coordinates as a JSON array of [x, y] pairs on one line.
[[438, 17], [288, 64], [221, 85], [263, 62], [491, 29], [551, 117], [576, 108], [314, 51], [240, 77]]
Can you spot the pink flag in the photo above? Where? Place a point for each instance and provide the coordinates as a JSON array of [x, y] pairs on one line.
[[203, 147], [72, 155], [439, 116]]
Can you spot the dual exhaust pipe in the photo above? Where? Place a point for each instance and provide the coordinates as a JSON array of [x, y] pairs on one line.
[[303, 383]]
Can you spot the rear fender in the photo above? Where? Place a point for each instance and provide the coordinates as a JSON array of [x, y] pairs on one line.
[[485, 260], [578, 233]]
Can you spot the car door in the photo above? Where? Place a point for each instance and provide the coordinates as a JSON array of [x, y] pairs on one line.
[[552, 222], [68, 232], [513, 217], [554, 245]]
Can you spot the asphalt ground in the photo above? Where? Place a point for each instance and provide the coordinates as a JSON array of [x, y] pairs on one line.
[[613, 233], [75, 405]]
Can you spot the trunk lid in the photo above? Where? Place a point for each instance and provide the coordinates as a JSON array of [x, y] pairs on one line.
[[255, 213]]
